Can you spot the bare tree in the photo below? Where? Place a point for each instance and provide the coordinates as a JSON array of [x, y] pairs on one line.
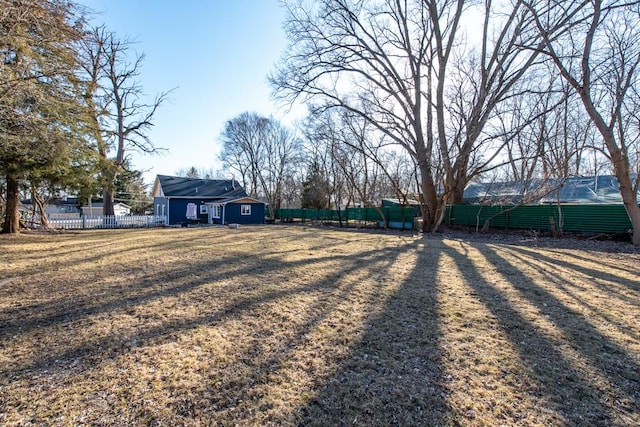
[[595, 46], [388, 62], [347, 55], [360, 164], [324, 148], [196, 172], [121, 119], [263, 152], [242, 149], [570, 139], [282, 151]]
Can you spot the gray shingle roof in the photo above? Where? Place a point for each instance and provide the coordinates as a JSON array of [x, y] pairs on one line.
[[174, 186]]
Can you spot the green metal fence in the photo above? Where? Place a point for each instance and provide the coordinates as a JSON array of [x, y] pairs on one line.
[[587, 218], [396, 217]]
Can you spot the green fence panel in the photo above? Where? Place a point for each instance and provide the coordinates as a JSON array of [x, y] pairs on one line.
[[595, 218], [392, 214], [357, 214], [539, 217], [398, 214], [586, 218], [373, 214], [295, 213]]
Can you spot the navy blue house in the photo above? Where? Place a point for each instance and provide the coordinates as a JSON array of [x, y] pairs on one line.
[[212, 201]]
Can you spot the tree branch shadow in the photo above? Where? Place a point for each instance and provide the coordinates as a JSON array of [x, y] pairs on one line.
[[377, 382], [566, 389]]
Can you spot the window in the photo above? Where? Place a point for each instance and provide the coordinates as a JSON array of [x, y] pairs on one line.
[[203, 209], [245, 209], [215, 211]]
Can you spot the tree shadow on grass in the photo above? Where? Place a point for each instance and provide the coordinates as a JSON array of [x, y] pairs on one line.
[[387, 371], [180, 277], [238, 297], [599, 261], [392, 375], [615, 275], [392, 360], [568, 390], [611, 287]]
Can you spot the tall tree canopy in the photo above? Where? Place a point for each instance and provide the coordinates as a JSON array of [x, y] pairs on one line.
[[41, 108], [391, 63]]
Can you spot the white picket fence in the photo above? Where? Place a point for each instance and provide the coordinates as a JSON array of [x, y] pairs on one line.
[[86, 222]]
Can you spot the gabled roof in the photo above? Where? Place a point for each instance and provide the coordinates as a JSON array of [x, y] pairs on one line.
[[174, 186], [243, 199]]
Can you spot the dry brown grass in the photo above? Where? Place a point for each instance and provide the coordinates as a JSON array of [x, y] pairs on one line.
[[289, 325]]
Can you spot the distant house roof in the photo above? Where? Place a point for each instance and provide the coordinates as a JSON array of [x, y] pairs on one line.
[[66, 201], [593, 189], [400, 202], [174, 186], [100, 205]]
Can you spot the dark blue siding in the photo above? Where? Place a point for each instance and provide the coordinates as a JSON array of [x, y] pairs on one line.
[[178, 210], [233, 214]]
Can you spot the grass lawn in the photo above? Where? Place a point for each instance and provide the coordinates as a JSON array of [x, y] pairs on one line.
[[285, 325]]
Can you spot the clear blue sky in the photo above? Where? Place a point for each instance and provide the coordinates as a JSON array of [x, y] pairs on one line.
[[215, 53]]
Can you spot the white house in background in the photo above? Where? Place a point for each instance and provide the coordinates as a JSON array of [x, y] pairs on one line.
[[119, 209]]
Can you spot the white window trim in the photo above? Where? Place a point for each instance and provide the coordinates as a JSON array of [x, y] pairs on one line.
[[215, 211], [245, 210], [203, 209]]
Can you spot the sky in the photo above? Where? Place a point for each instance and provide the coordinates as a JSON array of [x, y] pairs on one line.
[[214, 54]]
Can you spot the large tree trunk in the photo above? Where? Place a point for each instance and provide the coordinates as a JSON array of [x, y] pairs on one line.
[[107, 202], [620, 161], [634, 215], [456, 196], [109, 177], [12, 218], [429, 198], [629, 198]]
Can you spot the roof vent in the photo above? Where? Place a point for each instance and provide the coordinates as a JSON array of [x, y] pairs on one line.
[[196, 190]]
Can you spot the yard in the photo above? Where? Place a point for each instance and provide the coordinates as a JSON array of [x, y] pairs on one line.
[[287, 325]]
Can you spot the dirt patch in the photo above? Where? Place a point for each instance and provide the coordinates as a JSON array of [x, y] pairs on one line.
[[288, 325]]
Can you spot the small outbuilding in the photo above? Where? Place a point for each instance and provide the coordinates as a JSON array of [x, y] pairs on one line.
[[97, 209], [214, 201]]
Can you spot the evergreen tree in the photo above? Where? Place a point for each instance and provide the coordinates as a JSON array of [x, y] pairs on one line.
[[315, 189], [131, 189], [41, 110]]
